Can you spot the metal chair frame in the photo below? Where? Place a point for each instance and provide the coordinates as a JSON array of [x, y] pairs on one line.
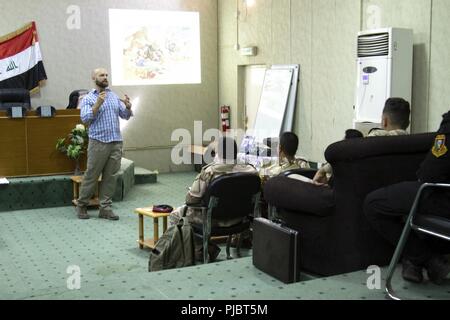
[[207, 217], [404, 237]]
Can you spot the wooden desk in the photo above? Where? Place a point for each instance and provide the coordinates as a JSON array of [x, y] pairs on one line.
[[147, 212], [28, 144], [13, 141]]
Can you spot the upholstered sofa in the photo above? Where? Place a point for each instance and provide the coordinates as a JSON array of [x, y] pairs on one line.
[[335, 236]]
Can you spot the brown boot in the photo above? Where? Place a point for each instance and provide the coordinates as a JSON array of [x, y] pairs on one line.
[[107, 214], [82, 213]]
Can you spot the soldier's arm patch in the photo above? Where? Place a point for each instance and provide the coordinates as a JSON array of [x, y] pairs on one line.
[[440, 148]]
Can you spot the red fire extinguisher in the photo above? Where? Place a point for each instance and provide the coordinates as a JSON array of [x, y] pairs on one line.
[[225, 117]]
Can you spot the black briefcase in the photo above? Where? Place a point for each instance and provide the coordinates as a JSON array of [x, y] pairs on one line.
[[276, 250]]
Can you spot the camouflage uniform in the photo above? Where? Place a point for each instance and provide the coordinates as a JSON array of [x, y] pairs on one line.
[[198, 189], [383, 133], [283, 166]]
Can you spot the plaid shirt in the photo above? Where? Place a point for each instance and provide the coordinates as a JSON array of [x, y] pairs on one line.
[[104, 127]]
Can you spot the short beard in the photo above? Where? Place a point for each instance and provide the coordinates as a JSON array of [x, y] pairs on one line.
[[101, 84]]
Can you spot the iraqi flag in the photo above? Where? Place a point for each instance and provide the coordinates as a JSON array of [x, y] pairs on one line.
[[20, 59]]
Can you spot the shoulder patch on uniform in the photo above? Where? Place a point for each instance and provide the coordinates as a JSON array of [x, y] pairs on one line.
[[440, 147]]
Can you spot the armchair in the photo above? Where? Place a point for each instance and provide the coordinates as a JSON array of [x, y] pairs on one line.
[[335, 236], [307, 172], [230, 196], [74, 98]]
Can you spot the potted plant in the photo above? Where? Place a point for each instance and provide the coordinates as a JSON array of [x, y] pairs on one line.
[[74, 145]]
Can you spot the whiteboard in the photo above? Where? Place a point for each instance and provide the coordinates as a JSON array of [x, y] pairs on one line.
[[288, 121], [273, 102]]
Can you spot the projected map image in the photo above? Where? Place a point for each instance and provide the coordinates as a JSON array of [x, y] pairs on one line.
[[154, 47]]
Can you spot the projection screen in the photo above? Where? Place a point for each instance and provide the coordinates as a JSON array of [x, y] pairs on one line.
[[154, 47]]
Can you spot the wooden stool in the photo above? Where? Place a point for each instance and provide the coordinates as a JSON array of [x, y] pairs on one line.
[[76, 182], [148, 212]]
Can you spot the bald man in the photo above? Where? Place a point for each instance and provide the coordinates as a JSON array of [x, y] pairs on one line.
[[101, 109]]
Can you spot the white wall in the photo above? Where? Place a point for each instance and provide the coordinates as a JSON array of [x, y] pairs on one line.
[[320, 35], [70, 55]]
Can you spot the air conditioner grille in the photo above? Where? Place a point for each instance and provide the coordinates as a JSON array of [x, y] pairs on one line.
[[373, 45]]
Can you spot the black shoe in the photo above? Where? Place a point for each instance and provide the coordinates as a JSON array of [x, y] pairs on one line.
[[412, 272], [213, 252], [199, 255], [437, 269]]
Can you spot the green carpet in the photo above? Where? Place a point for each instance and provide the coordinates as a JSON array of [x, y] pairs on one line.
[[57, 191], [37, 247]]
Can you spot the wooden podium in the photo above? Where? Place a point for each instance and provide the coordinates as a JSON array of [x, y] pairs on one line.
[[28, 144]]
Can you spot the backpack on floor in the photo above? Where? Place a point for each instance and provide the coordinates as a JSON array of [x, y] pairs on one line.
[[175, 249]]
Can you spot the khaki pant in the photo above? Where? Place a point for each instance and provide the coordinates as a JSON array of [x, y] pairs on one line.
[[195, 216], [104, 159]]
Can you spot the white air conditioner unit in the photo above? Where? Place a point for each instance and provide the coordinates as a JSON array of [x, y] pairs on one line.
[[385, 59]]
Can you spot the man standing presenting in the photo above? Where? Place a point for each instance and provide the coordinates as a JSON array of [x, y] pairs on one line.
[[101, 109]]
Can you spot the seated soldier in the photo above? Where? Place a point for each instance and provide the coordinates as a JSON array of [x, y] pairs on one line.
[[286, 157], [324, 174], [394, 122], [224, 163], [386, 210]]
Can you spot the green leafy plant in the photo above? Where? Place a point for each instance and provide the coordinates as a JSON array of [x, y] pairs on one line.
[[75, 144]]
